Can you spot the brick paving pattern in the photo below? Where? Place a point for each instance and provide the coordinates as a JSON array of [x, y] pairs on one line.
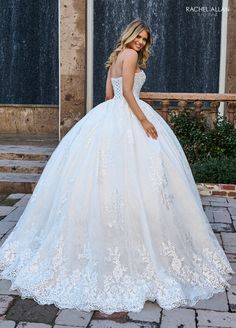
[[218, 312]]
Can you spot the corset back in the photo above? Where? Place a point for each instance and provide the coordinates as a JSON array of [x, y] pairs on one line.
[[139, 79]]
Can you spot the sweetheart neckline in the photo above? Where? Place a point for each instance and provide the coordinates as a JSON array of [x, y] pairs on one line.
[[118, 77]]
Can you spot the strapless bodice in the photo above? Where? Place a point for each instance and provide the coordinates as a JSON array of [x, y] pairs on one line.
[[139, 79]]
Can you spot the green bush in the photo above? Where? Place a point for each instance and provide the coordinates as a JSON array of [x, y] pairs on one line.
[[211, 150], [215, 170]]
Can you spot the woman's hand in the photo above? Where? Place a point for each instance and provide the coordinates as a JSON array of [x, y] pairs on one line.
[[149, 128]]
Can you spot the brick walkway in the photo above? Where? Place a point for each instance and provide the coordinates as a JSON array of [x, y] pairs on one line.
[[219, 311]]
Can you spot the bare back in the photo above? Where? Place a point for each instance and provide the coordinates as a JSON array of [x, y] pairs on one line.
[[116, 67]]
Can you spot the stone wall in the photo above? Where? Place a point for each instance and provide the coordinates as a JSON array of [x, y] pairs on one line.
[[29, 119], [72, 62]]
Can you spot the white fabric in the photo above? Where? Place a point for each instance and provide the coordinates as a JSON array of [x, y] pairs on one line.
[[115, 220]]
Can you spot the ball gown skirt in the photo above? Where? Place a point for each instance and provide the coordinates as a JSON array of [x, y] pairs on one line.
[[115, 219]]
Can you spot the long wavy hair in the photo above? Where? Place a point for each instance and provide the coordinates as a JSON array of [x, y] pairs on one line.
[[128, 35]]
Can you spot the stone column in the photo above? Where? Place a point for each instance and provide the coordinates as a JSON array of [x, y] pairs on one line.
[[72, 63]]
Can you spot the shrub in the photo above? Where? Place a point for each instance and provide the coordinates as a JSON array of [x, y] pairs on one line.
[[199, 140], [211, 150], [215, 170]]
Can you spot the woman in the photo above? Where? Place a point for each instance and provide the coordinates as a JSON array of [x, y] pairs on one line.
[[116, 218]]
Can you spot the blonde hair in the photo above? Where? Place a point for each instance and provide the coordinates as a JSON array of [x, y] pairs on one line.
[[128, 35]]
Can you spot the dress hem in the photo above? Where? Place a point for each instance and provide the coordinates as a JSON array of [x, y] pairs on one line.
[[23, 293]]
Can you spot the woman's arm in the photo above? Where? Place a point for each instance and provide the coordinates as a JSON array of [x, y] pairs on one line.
[[128, 71], [109, 88]]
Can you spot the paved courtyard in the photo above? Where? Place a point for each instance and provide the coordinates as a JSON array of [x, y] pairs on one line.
[[219, 311]]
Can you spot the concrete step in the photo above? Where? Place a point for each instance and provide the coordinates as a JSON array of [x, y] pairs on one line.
[[18, 182], [28, 139], [22, 160], [25, 152], [21, 166]]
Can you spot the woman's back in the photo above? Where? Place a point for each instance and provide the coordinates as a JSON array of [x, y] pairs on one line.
[[116, 67]]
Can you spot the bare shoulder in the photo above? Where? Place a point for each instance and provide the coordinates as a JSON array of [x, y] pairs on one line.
[[130, 53], [130, 57]]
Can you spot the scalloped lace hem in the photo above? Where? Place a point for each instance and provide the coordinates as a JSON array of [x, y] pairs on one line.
[[183, 302]]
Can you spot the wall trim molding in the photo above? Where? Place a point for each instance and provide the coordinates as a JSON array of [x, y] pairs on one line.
[[89, 68], [223, 51]]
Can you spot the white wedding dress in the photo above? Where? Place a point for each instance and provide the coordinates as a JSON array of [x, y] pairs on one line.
[[115, 220]]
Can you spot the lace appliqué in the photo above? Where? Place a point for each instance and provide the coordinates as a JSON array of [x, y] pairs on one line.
[[159, 180], [9, 253], [114, 210], [202, 271], [105, 161], [122, 287], [121, 282], [119, 269], [62, 203]]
